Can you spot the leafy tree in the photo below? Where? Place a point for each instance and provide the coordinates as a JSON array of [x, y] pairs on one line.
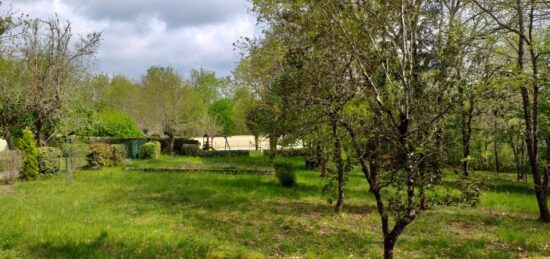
[[109, 123], [222, 113], [163, 98]]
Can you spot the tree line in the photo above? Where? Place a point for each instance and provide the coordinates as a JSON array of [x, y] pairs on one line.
[[48, 86], [404, 89]]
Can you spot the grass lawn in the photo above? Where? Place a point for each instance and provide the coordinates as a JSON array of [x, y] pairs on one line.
[[112, 213]]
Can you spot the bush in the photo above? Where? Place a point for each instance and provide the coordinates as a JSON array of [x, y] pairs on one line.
[[288, 152], [150, 150], [190, 150], [178, 143], [48, 160], [100, 155], [10, 165], [120, 152], [285, 173], [27, 145]]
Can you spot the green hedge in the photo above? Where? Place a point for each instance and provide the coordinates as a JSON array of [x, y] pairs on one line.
[[150, 150], [190, 150], [225, 153], [48, 160]]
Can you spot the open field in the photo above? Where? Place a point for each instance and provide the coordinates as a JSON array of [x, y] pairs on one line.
[[112, 213]]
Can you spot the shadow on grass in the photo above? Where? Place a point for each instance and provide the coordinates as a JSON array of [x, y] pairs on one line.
[[508, 186], [105, 247]]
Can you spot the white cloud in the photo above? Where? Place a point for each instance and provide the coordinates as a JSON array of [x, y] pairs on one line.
[[141, 33]]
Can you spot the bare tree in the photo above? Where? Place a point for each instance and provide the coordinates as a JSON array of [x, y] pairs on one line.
[[53, 59]]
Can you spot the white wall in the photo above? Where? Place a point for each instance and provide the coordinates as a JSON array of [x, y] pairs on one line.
[[3, 145], [238, 143]]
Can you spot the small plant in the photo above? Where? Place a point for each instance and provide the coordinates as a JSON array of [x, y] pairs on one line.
[[48, 160], [190, 150], [285, 173], [120, 153], [27, 145], [100, 155], [150, 150], [10, 165]]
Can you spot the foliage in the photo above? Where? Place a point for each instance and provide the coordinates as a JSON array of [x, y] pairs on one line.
[[120, 152], [288, 152], [150, 150], [226, 153], [49, 159], [285, 173], [190, 150], [222, 113], [100, 155], [27, 145], [111, 123]]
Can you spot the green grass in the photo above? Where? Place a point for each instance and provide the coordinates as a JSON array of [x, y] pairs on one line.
[[111, 213]]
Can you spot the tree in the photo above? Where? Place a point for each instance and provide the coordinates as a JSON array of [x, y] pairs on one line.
[[221, 112], [27, 146], [53, 61], [523, 20], [162, 91], [370, 66]]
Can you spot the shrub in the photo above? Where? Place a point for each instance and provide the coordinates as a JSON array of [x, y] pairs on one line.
[[190, 150], [285, 173], [150, 150], [120, 152], [178, 143], [48, 160], [288, 152], [100, 155], [10, 165], [27, 145]]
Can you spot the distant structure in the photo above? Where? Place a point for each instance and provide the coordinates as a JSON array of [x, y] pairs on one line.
[[3, 145]]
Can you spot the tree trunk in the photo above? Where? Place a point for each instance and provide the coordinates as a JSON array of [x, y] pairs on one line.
[[339, 167], [256, 142], [467, 117], [41, 132], [272, 147], [171, 140], [389, 244], [497, 162]]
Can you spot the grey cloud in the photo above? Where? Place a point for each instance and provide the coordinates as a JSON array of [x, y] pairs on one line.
[[175, 13]]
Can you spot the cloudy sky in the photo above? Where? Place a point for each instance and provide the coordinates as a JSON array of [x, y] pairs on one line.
[[138, 34]]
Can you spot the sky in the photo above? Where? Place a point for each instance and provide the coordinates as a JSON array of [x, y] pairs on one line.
[[138, 34]]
